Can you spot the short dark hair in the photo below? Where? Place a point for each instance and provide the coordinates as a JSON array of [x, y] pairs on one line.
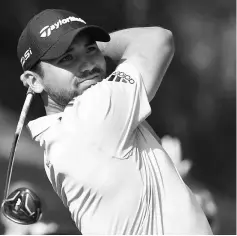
[[37, 68]]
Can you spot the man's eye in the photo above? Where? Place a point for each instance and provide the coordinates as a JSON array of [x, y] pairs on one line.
[[91, 48], [66, 58]]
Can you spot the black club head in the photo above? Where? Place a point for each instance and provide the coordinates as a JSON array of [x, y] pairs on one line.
[[22, 206]]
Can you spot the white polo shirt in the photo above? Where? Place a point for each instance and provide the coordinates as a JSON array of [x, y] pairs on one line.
[[108, 168]]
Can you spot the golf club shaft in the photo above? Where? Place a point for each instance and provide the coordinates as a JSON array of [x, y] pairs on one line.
[[24, 111]]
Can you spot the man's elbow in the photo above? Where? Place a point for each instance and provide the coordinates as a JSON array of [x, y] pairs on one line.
[[163, 38], [170, 42], [162, 46]]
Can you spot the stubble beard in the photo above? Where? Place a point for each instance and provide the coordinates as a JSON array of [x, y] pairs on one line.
[[62, 97]]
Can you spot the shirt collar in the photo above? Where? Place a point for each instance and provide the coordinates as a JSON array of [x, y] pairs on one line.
[[39, 125]]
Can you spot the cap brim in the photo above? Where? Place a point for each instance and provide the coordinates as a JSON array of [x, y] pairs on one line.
[[63, 43]]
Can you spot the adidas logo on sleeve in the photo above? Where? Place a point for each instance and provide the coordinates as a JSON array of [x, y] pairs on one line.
[[118, 76]]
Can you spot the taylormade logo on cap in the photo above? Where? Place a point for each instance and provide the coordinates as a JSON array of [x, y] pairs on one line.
[[46, 31]]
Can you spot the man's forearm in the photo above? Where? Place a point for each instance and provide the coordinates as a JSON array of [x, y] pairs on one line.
[[119, 42], [121, 39], [149, 49]]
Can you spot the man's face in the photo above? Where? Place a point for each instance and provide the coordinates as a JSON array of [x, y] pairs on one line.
[[79, 68]]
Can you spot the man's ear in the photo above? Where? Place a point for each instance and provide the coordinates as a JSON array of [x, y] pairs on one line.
[[33, 80]]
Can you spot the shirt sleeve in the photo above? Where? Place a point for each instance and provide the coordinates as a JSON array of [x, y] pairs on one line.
[[112, 109]]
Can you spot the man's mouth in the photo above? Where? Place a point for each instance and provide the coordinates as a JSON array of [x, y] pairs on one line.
[[87, 82], [91, 77], [95, 76]]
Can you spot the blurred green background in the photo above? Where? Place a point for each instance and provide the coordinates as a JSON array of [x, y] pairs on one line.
[[196, 101]]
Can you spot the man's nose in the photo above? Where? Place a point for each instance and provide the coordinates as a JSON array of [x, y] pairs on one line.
[[86, 72], [84, 68]]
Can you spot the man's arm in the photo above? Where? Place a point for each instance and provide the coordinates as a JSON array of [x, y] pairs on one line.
[[149, 49]]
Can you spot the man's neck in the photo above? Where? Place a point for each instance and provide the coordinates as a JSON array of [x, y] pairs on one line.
[[52, 107]]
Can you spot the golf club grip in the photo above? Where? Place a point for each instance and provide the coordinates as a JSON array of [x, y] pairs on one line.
[[20, 125], [24, 111]]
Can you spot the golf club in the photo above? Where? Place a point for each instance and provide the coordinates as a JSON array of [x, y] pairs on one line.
[[22, 206]]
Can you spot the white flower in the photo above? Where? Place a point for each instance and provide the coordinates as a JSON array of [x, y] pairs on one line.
[[172, 146]]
